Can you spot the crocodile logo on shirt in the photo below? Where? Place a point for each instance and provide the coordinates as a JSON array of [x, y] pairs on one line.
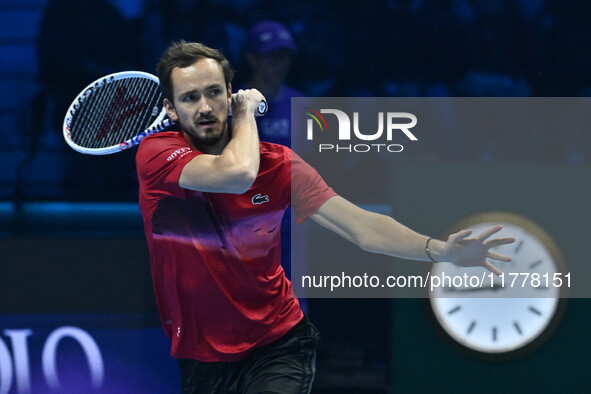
[[258, 199]]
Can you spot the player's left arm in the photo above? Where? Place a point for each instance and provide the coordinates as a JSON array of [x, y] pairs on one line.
[[382, 234]]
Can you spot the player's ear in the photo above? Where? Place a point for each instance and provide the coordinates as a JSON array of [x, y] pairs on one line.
[[229, 95], [170, 110]]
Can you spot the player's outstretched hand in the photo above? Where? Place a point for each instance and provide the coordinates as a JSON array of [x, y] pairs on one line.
[[473, 252]]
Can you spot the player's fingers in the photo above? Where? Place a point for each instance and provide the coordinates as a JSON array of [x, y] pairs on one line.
[[460, 235], [492, 268], [493, 243], [498, 256], [258, 95], [252, 94], [237, 97], [487, 233]]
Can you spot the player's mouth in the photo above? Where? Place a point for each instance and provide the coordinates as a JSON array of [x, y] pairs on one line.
[[206, 123]]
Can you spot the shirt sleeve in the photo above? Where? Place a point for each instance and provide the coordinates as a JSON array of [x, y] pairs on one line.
[[160, 161], [308, 190]]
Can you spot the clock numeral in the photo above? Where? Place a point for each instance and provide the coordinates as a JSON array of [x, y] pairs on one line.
[[517, 327], [535, 264], [454, 310], [534, 311], [471, 327], [518, 247], [494, 334]]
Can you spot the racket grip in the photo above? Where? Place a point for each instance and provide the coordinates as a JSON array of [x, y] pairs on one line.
[[262, 108], [260, 111]]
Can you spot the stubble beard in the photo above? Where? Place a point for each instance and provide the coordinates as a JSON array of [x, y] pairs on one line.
[[211, 139]]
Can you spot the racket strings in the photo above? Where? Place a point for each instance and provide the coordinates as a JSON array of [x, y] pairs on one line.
[[91, 114], [151, 92], [115, 112]]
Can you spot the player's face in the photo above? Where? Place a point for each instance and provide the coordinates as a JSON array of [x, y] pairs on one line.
[[201, 102]]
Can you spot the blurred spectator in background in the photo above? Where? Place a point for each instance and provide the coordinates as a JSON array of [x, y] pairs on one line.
[[268, 54], [219, 24]]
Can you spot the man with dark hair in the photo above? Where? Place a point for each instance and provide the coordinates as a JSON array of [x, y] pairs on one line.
[[212, 197], [182, 54]]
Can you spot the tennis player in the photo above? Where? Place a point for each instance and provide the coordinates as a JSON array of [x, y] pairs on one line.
[[212, 197]]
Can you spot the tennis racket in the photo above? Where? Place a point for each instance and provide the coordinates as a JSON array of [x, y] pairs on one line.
[[117, 112]]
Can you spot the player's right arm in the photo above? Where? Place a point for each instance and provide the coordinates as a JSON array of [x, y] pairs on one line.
[[235, 169]]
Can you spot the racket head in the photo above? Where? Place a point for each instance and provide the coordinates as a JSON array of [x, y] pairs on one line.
[[115, 112]]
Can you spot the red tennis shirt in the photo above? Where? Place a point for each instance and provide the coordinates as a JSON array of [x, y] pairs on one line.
[[215, 257]]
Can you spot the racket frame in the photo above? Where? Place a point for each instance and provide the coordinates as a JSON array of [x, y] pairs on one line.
[[161, 122], [158, 125]]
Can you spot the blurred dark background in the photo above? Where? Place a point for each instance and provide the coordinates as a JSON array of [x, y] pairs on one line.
[[71, 237], [51, 49]]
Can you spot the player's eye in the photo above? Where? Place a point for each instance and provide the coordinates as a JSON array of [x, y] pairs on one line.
[[214, 92], [189, 98]]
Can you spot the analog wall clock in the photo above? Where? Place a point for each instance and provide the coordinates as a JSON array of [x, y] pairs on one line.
[[506, 316]]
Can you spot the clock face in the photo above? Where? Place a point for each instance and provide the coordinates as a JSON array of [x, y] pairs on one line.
[[495, 315]]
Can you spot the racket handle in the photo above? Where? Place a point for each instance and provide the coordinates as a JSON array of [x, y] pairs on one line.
[[262, 108], [260, 111]]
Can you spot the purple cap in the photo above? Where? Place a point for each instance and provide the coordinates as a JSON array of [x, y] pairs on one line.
[[268, 36]]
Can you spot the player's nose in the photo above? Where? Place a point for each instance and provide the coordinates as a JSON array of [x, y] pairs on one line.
[[203, 106]]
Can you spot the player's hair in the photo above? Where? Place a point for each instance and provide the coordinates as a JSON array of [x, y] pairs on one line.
[[183, 54]]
